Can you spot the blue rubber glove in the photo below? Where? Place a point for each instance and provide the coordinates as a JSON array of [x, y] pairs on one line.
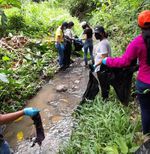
[[31, 111], [104, 61]]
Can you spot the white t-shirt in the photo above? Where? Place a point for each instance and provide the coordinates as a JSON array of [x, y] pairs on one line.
[[103, 47], [69, 33]]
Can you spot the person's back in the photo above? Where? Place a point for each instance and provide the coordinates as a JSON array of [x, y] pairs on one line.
[[141, 52], [88, 32]]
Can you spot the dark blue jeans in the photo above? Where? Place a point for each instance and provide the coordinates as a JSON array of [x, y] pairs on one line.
[[4, 148], [144, 100], [60, 48], [88, 45]]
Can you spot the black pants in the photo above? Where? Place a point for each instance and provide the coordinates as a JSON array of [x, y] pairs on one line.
[[104, 82], [144, 100], [67, 53]]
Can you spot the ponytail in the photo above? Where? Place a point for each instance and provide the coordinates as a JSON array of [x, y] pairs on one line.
[[146, 37], [106, 35]]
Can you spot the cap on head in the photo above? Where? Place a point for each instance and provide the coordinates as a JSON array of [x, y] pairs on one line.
[[144, 19], [99, 29]]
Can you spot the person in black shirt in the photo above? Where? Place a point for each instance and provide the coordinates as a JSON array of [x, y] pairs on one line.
[[88, 44]]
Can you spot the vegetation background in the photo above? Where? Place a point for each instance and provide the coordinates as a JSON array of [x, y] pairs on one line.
[[101, 128]]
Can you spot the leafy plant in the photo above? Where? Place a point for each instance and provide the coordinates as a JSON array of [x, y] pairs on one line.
[[26, 71], [3, 23], [16, 22], [103, 128]]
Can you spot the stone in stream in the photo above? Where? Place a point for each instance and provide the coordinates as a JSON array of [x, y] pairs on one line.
[[61, 88], [77, 81], [53, 103]]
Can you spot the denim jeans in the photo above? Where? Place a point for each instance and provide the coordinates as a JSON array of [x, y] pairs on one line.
[[60, 48], [88, 45], [144, 100], [4, 148]]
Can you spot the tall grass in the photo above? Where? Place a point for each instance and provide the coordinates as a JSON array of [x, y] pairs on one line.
[[104, 128]]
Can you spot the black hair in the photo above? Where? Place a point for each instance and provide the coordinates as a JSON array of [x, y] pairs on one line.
[[64, 24], [70, 24], [86, 26], [146, 37]]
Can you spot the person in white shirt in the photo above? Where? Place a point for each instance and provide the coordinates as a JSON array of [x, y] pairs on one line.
[[68, 35], [102, 48]]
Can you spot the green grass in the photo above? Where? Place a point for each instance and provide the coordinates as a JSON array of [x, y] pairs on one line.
[[104, 128]]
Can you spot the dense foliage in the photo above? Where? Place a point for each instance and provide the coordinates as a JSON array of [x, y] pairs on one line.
[[37, 19], [27, 68], [120, 20]]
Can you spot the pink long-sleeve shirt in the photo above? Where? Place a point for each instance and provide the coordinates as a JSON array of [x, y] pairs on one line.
[[136, 49]]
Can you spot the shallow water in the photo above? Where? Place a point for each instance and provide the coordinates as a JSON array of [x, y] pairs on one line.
[[56, 109]]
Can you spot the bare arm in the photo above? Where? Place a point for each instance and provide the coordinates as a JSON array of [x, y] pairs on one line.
[[10, 116]]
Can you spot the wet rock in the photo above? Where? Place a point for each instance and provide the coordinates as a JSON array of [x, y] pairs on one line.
[[76, 81], [53, 103], [61, 88]]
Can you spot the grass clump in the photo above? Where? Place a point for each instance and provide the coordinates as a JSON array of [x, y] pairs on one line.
[[104, 128]]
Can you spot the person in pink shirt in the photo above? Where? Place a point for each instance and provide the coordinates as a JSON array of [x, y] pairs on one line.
[[139, 48]]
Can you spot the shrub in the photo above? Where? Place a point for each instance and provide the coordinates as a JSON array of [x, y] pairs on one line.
[[16, 22]]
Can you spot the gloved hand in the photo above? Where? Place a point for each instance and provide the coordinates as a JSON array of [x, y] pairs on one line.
[[31, 111], [92, 67]]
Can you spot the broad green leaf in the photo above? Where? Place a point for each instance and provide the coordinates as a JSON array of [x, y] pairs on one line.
[[122, 145], [111, 150], [133, 149], [5, 58]]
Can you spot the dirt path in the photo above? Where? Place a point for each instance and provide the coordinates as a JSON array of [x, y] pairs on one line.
[[56, 109]]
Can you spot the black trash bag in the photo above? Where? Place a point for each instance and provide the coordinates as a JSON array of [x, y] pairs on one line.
[[40, 136], [119, 78], [78, 44], [144, 148], [91, 90]]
